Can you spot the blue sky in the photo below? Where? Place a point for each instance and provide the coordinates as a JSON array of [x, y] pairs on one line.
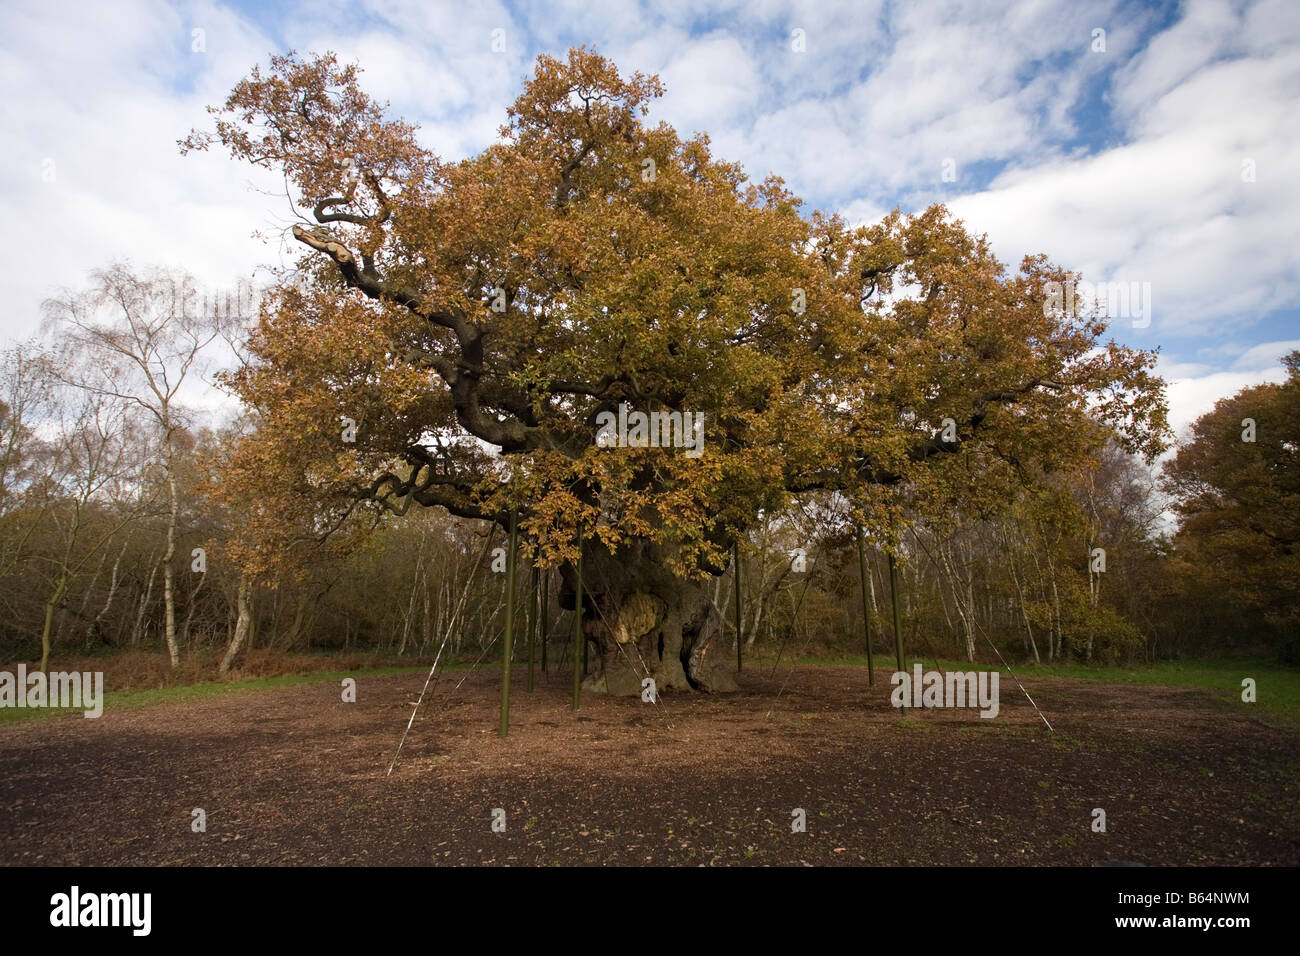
[[1123, 159]]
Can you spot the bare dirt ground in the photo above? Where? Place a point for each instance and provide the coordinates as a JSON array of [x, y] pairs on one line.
[[297, 776]]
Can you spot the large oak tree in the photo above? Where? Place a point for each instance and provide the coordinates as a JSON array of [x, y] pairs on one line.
[[474, 319]]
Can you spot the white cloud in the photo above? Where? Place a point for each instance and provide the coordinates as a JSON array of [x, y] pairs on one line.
[[1204, 32], [862, 120], [1171, 207], [1265, 356], [1194, 388], [101, 107], [716, 63]]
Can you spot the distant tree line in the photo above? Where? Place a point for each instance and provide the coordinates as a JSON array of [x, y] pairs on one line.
[[128, 520]]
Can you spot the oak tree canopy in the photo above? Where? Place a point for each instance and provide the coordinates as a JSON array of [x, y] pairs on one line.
[[475, 319]]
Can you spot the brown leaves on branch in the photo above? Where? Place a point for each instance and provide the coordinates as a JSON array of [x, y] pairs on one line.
[[482, 314]]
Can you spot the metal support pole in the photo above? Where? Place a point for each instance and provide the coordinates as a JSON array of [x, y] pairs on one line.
[[532, 623], [504, 730], [577, 630], [866, 619], [898, 617], [546, 613], [735, 560]]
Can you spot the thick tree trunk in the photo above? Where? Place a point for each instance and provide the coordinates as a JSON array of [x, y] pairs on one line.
[[94, 625], [646, 623], [169, 583], [241, 627], [50, 606], [144, 606], [304, 618]]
